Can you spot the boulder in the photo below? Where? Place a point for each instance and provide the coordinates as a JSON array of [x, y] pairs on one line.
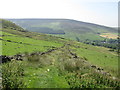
[[4, 59]]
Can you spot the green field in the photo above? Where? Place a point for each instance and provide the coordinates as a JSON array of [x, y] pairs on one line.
[[63, 64], [24, 44]]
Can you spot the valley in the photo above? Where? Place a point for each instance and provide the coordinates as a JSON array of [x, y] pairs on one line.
[[38, 60], [65, 28]]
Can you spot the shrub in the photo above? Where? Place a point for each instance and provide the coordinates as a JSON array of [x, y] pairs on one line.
[[12, 75], [39, 61], [105, 80], [69, 65], [91, 80]]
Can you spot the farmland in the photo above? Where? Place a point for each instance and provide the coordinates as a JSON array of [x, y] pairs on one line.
[[109, 35]]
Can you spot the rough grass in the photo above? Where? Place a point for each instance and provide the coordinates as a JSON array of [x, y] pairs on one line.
[[68, 66], [96, 55], [99, 56], [61, 70], [12, 75], [42, 78]]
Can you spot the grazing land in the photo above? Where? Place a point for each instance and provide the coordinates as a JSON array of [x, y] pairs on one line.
[[36, 60]]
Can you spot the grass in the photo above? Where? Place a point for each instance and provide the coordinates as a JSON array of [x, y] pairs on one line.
[[41, 78], [82, 37], [24, 44], [69, 66], [31, 41], [95, 55], [99, 56], [61, 70]]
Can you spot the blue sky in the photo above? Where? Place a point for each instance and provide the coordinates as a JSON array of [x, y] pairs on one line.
[[103, 12]]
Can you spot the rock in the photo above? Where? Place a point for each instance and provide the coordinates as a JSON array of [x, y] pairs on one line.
[[9, 40], [5, 59], [32, 54], [93, 66], [19, 59], [99, 68], [74, 55], [42, 53]]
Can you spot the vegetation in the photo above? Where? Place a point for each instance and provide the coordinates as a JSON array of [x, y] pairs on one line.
[[22, 44], [35, 60], [46, 30], [9, 25], [12, 75], [70, 28], [109, 43]]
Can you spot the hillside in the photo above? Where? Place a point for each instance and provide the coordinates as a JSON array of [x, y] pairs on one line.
[[67, 28], [36, 60], [10, 25]]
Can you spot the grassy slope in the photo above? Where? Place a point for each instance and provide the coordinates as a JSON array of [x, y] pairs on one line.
[[21, 41], [61, 57], [25, 44], [37, 76], [72, 28], [99, 56], [96, 55]]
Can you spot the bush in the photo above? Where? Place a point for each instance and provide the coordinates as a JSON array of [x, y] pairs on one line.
[[39, 61], [69, 65], [12, 75], [91, 80]]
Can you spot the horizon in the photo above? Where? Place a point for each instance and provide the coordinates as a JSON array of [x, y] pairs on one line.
[[58, 19]]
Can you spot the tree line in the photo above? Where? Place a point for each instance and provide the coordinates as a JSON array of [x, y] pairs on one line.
[[108, 43]]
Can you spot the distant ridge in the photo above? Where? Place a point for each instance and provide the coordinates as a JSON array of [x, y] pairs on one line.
[[70, 28]]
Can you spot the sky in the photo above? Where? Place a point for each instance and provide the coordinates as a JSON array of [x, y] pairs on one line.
[[103, 12]]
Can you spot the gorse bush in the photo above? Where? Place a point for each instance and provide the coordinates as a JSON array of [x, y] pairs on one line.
[[12, 75]]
